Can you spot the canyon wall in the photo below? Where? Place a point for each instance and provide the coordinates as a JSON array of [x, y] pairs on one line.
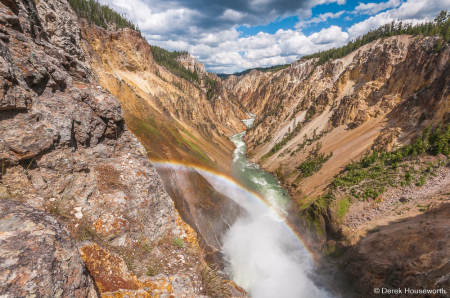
[[171, 116], [315, 122], [374, 97], [175, 122]]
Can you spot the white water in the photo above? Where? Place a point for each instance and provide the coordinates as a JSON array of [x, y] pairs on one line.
[[264, 256]]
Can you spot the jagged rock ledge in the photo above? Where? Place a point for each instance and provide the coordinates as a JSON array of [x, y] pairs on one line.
[[66, 151]]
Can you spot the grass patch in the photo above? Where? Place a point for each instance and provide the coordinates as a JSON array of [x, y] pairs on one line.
[[343, 207], [152, 270], [149, 126], [56, 208], [178, 242], [85, 232], [422, 208]]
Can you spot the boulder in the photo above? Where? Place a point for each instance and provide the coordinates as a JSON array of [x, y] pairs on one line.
[[38, 257]]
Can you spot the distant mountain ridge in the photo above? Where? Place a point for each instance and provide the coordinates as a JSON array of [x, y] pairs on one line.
[[263, 69]]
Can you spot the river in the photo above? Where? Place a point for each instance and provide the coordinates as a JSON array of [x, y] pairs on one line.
[[263, 254]]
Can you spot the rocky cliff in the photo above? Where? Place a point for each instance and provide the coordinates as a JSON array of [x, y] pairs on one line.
[[171, 116], [176, 123], [191, 63], [316, 121], [66, 153]]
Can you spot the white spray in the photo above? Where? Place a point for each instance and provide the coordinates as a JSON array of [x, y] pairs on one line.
[[264, 256]]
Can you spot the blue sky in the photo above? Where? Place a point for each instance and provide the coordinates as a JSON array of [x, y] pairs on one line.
[[289, 22], [232, 35]]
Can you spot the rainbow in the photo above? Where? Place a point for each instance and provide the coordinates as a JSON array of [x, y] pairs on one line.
[[224, 179]]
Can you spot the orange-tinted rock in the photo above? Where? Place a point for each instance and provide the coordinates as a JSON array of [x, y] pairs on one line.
[[128, 294], [108, 270], [113, 279]]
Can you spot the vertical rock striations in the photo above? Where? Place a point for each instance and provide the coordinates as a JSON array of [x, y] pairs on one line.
[[382, 224]]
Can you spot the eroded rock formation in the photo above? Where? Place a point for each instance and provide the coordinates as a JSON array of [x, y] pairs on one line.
[[191, 63], [176, 123], [65, 149], [382, 96], [172, 117]]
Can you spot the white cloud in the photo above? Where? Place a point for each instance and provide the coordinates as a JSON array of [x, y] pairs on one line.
[[334, 34], [266, 49], [411, 11], [319, 19], [235, 16], [208, 30], [373, 8]]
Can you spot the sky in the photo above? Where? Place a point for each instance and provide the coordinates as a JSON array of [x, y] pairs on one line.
[[233, 35]]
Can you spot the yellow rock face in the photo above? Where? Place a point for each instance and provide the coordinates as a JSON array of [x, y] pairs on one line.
[[373, 97], [171, 116]]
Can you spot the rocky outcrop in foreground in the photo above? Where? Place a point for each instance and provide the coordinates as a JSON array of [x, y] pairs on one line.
[[38, 256], [65, 150]]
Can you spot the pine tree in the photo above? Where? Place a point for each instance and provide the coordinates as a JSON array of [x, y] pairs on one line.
[[441, 17]]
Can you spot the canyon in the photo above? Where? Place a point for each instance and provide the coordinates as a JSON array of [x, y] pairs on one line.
[[113, 168], [380, 97]]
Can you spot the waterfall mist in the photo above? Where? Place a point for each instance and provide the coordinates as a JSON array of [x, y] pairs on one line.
[[264, 256]]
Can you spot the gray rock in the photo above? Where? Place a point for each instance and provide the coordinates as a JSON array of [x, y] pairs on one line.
[[38, 257], [61, 25]]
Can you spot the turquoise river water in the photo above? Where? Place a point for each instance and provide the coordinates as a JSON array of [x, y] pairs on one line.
[[264, 255]]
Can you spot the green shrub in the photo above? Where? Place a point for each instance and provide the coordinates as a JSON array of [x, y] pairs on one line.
[[421, 182], [313, 163], [178, 242], [152, 271]]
